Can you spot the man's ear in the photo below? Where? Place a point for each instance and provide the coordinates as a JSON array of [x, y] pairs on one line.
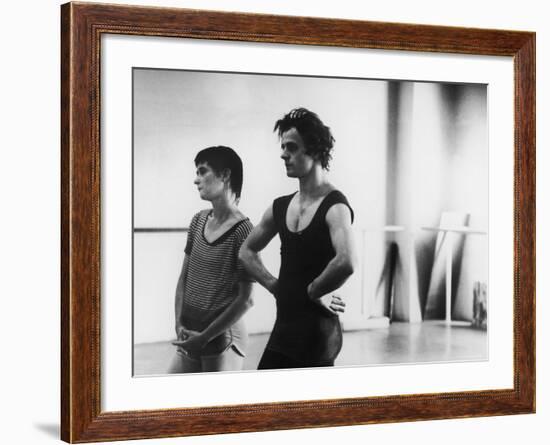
[[315, 155]]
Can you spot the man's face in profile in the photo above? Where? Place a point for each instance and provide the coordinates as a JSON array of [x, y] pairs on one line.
[[293, 152]]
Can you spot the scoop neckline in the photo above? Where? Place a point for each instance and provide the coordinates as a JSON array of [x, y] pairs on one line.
[[224, 235], [300, 232]]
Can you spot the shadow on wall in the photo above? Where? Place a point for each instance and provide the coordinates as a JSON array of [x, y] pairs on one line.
[[425, 254], [385, 288], [436, 162]]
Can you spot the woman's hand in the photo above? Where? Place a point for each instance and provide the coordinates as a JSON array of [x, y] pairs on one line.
[[180, 333], [191, 341]]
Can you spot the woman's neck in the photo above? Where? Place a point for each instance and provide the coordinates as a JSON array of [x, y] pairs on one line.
[[224, 207]]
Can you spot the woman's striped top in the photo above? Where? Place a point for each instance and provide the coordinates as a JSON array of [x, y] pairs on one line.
[[214, 271]]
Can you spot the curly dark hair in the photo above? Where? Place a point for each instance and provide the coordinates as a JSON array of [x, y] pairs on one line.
[[317, 136], [222, 158]]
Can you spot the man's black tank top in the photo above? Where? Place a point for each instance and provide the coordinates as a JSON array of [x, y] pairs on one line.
[[304, 330]]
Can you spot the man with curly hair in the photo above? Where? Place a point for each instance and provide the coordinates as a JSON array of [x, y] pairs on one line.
[[317, 252]]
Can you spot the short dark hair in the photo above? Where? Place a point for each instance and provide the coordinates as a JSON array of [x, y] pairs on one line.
[[317, 136], [221, 158]]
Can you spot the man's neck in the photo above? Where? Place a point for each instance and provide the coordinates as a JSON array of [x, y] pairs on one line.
[[312, 185]]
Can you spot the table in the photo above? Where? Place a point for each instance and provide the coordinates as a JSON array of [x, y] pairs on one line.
[[464, 230]]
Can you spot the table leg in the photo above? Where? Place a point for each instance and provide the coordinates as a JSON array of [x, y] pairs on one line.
[[448, 277]]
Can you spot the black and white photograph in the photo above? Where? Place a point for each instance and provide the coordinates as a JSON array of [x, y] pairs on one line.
[[125, 124], [285, 221]]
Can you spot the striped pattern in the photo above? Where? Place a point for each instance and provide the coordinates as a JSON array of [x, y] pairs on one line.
[[215, 269]]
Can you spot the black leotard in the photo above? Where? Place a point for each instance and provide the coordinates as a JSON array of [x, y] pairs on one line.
[[305, 331]]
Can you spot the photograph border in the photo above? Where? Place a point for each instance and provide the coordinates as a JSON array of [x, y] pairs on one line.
[[82, 25]]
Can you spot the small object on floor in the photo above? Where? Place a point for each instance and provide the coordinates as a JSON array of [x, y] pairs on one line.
[[480, 306]]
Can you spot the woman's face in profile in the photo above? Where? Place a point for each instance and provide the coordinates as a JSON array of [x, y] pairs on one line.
[[209, 184]]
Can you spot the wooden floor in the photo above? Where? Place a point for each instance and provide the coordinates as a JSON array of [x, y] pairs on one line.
[[430, 341]]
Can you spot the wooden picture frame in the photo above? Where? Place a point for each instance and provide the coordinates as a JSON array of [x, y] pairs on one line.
[[82, 25]]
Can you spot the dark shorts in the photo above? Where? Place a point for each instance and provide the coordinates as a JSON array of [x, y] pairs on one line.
[[275, 360]]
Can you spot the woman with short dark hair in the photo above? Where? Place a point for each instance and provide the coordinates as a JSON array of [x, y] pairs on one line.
[[213, 290]]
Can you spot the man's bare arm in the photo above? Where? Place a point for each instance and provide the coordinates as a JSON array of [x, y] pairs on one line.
[[339, 269], [260, 236]]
